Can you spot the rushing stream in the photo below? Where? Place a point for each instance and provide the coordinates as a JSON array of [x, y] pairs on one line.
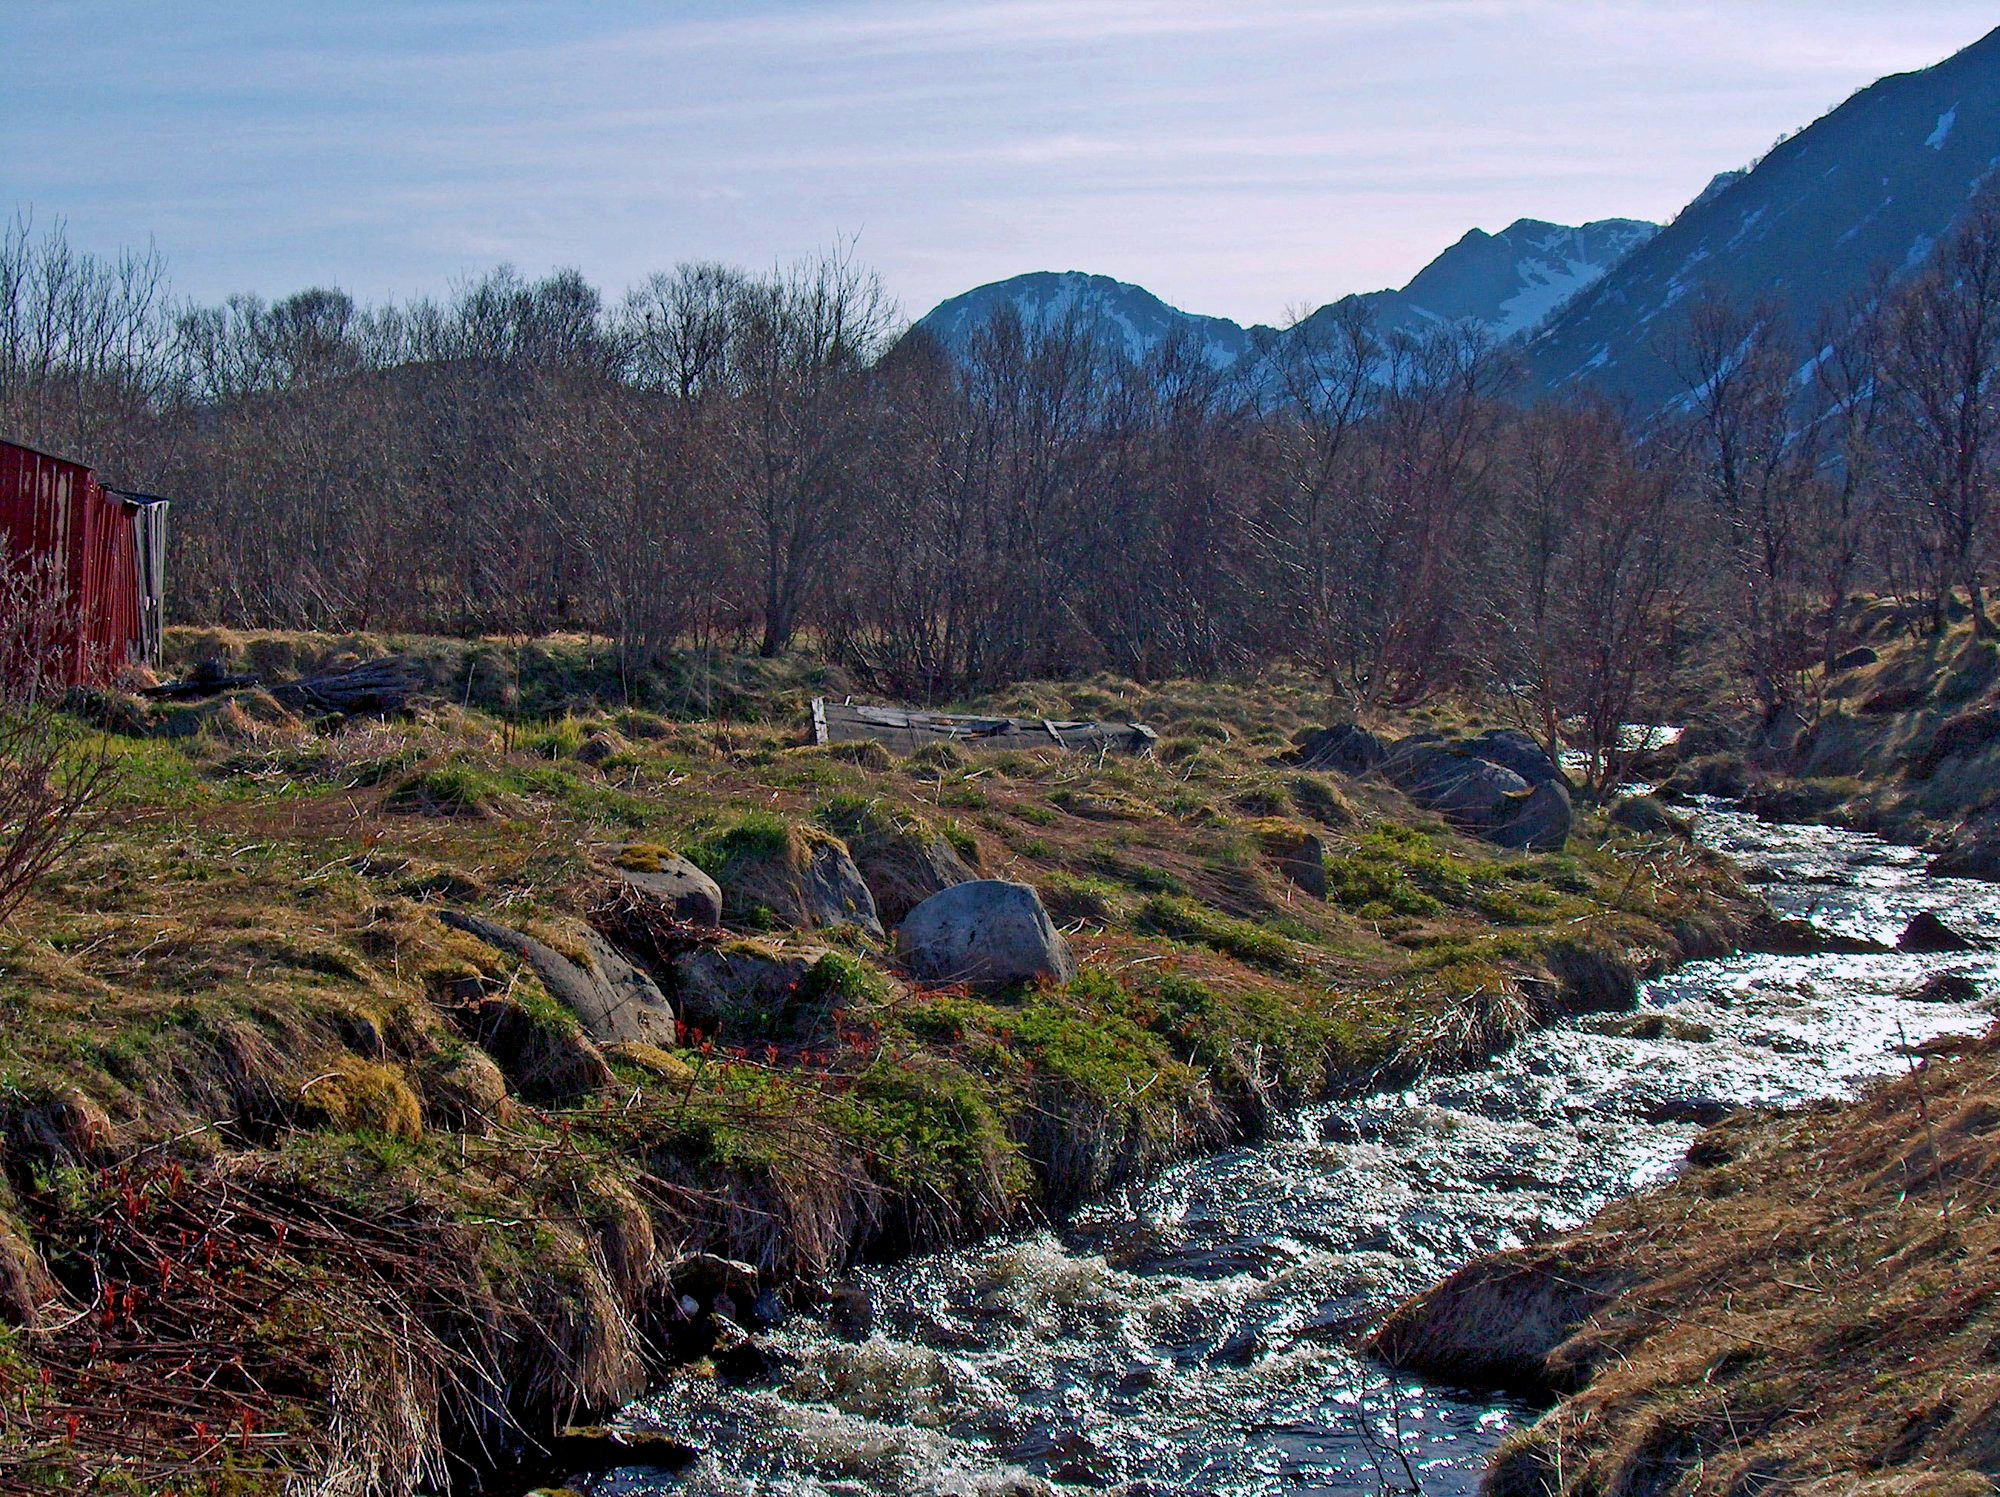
[[1190, 1336]]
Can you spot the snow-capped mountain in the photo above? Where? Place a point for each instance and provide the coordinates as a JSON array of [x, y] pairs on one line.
[[1870, 188], [1507, 283], [1127, 318]]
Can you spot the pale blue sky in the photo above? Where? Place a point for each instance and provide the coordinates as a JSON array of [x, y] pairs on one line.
[[1239, 157]]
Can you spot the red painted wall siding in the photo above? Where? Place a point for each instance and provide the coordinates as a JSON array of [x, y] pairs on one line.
[[54, 513]]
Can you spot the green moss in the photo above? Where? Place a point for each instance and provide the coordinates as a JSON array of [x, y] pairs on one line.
[[1182, 919]]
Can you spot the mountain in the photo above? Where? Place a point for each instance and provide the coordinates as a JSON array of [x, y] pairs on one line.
[[1121, 316], [1871, 187], [1507, 282]]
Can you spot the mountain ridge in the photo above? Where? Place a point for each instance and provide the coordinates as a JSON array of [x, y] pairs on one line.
[[1507, 282]]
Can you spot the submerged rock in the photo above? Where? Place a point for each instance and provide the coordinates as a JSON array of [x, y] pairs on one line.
[[593, 1451], [1945, 987], [1776, 936], [988, 933]]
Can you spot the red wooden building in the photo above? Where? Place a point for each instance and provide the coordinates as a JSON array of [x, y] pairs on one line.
[[90, 561]]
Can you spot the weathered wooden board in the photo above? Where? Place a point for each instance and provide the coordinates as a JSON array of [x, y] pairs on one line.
[[905, 730]]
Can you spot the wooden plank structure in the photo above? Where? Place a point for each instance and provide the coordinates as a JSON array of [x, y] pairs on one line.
[[94, 556], [905, 730]]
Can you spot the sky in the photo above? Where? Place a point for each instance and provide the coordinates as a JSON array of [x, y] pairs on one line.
[[1242, 158]]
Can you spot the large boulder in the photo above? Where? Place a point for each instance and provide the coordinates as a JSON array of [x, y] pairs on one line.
[[1512, 749], [684, 890], [803, 879], [1488, 799], [1463, 788], [544, 1060], [740, 985], [1539, 821], [987, 933], [613, 1000], [902, 861], [1343, 748]]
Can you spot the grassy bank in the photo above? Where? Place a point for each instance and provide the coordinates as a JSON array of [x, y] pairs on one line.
[[303, 1182], [1902, 738], [1812, 1307]]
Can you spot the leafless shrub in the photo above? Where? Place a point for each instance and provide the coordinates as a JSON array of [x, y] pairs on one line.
[[52, 780]]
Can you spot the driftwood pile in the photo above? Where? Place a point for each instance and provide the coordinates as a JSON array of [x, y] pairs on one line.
[[905, 730], [372, 686], [384, 685]]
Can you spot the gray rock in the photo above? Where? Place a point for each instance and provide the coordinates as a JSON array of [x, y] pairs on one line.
[[1650, 817], [1458, 786], [904, 867], [1303, 864], [739, 979], [687, 892], [987, 933], [1342, 748], [1513, 749], [614, 1001], [1539, 821], [811, 883]]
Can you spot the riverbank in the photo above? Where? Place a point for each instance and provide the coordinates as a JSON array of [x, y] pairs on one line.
[[305, 1181], [1811, 1305], [1900, 737], [1807, 1304]]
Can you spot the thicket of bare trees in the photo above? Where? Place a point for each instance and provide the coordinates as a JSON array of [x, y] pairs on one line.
[[751, 460]]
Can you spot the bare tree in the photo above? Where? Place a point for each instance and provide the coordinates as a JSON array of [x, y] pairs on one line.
[[1942, 425]]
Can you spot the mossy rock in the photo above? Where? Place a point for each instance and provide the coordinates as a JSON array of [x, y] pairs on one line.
[[450, 790], [1297, 853], [661, 1064], [465, 1090], [900, 857], [803, 877]]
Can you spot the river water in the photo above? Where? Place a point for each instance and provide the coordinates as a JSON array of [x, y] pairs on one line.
[[1192, 1335]]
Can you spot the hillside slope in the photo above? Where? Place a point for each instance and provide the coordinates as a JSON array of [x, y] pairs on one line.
[[1870, 188]]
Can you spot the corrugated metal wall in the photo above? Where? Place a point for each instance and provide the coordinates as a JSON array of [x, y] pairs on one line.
[[57, 521]]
